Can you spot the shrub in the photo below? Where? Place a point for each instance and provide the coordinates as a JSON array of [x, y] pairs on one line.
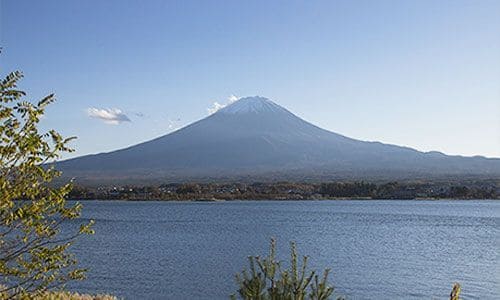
[[268, 279]]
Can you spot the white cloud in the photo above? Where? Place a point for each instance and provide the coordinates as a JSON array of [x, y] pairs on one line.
[[113, 116], [216, 105]]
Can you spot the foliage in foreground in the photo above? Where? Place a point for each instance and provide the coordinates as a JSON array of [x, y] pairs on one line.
[[268, 279], [34, 255], [59, 295], [455, 292]]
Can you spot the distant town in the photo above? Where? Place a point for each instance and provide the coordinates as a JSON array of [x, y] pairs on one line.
[[484, 189]]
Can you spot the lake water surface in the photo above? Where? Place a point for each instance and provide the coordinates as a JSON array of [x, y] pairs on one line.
[[375, 249]]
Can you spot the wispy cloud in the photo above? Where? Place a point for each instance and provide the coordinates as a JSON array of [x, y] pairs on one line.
[[216, 105], [113, 116]]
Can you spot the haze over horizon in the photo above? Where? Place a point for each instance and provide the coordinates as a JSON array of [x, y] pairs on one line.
[[423, 75]]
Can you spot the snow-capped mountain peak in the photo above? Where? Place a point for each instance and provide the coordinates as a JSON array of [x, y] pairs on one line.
[[254, 104]]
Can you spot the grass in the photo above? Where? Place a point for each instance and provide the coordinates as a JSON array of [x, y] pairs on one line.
[[58, 295], [73, 296]]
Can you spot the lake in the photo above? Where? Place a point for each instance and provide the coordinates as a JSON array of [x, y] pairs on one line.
[[376, 249]]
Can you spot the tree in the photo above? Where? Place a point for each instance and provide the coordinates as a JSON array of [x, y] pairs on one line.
[[34, 254], [268, 280]]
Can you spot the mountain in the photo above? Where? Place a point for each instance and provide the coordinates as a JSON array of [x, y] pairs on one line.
[[256, 138]]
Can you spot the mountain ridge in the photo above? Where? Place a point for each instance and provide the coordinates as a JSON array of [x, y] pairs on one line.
[[253, 136]]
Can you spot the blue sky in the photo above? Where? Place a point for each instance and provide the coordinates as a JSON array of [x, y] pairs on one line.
[[424, 74]]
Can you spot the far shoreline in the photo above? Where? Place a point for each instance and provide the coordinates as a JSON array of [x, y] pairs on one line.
[[279, 200], [293, 191]]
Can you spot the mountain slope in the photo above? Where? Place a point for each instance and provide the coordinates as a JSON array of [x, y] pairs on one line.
[[254, 136]]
